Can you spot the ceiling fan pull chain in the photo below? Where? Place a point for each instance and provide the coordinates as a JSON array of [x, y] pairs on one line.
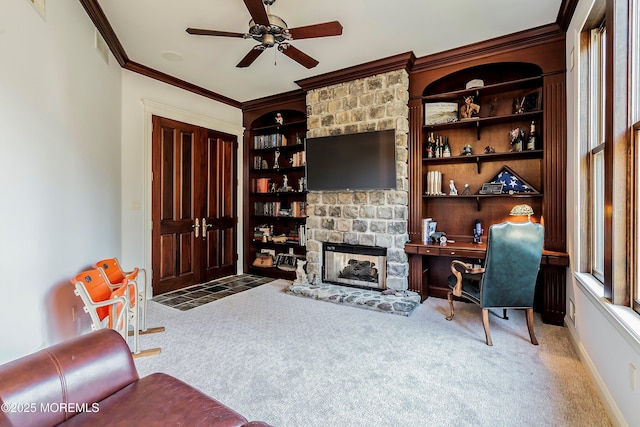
[[275, 58]]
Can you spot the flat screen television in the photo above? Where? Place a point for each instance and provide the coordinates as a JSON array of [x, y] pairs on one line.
[[357, 161]]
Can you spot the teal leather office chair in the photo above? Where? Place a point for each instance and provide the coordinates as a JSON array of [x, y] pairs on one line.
[[508, 278]]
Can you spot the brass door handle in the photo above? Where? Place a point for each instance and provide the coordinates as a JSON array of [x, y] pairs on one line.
[[196, 227], [204, 227]]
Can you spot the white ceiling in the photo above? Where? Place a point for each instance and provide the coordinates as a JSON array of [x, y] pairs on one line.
[[373, 29]]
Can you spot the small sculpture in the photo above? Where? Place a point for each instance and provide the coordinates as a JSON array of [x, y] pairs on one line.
[[452, 188], [301, 275], [466, 151], [276, 162], [279, 119], [285, 182], [489, 149], [469, 109], [466, 191], [301, 184]]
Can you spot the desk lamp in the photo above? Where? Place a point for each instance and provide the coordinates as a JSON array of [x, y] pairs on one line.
[[522, 210]]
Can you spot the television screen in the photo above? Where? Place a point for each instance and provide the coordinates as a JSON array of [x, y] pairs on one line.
[[359, 161]]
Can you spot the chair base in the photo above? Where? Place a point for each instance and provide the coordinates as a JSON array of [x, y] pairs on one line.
[[148, 331], [485, 321], [148, 352]]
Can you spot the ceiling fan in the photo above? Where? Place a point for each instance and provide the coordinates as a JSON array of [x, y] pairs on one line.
[[271, 30]]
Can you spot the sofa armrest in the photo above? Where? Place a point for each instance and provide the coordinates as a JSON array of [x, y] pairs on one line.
[[61, 380]]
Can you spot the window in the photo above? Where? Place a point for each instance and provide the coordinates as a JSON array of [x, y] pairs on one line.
[[595, 140]]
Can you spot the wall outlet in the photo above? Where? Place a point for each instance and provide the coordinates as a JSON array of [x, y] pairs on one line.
[[633, 377], [572, 312]]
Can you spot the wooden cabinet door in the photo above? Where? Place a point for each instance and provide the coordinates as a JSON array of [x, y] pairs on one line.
[[193, 213]]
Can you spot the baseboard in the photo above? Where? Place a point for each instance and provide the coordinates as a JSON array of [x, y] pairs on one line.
[[617, 419]]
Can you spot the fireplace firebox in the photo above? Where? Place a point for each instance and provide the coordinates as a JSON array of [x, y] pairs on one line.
[[354, 265]]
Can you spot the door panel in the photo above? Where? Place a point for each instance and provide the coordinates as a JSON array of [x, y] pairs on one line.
[[174, 157], [220, 207], [194, 205]]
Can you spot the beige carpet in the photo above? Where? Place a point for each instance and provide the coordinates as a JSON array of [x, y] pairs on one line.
[[299, 362]]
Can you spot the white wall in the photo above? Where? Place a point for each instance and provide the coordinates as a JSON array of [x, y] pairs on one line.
[[604, 345], [59, 168], [141, 97]]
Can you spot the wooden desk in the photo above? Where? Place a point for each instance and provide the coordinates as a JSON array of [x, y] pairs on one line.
[[429, 268]]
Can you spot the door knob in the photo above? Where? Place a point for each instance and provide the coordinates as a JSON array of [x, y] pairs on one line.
[[196, 227]]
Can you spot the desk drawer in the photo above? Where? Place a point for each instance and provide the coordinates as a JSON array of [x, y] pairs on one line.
[[461, 253], [424, 250]]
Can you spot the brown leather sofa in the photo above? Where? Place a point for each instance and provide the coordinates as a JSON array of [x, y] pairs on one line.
[[92, 380]]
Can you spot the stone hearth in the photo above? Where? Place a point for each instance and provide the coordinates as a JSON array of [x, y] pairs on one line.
[[394, 302]]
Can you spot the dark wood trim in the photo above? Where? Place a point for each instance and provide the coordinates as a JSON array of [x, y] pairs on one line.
[[555, 163], [397, 62], [565, 14], [166, 78], [475, 51], [103, 26], [268, 102]]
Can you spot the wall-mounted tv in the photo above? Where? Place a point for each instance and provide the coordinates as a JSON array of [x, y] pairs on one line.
[[357, 161]]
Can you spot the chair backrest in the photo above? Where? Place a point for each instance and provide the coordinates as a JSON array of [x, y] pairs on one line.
[[514, 251], [112, 268]]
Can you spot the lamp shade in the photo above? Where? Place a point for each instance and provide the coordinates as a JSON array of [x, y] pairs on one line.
[[522, 210]]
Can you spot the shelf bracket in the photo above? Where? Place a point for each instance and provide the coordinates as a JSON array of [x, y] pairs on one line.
[[478, 165], [478, 203], [478, 129]]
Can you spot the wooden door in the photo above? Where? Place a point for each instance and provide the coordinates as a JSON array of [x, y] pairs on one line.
[[193, 212], [218, 220]]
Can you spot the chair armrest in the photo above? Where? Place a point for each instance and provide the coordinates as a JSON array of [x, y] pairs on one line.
[[467, 268]]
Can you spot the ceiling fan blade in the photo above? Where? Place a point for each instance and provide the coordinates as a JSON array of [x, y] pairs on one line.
[[299, 56], [333, 28], [257, 11], [250, 57], [200, 32]]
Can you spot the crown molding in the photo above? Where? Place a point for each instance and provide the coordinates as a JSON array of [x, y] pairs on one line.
[[190, 87], [565, 14], [397, 62], [103, 26], [281, 98], [511, 42]]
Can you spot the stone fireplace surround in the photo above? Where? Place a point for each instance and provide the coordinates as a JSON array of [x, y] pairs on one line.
[[367, 218]]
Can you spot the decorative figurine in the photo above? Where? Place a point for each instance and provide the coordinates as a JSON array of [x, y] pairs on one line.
[[301, 185], [493, 107], [276, 163], [452, 188], [285, 182], [279, 119], [466, 191], [466, 151], [489, 149], [301, 276], [469, 109]]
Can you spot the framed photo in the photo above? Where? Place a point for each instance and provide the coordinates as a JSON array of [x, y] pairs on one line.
[[492, 188], [440, 112], [533, 101]]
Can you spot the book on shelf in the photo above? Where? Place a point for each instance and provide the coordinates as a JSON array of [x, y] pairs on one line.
[[298, 159], [269, 141], [260, 185]]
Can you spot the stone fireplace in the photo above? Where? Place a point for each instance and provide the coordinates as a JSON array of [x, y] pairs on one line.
[[364, 218]]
